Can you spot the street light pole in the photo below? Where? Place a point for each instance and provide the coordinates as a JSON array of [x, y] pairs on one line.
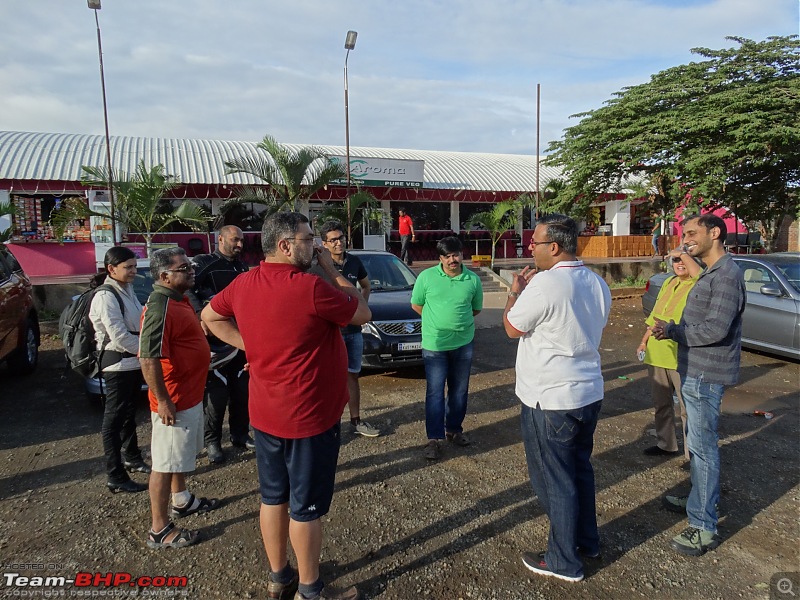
[[349, 44], [95, 6]]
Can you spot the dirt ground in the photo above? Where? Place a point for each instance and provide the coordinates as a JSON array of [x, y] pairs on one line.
[[401, 527]]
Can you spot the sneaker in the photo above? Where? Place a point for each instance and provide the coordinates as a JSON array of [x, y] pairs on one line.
[[676, 504], [332, 593], [589, 555], [136, 466], [365, 429], [282, 591], [432, 450], [215, 454], [537, 564], [245, 442], [459, 439], [694, 542]]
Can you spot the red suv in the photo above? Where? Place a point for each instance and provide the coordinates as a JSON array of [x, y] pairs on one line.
[[19, 324]]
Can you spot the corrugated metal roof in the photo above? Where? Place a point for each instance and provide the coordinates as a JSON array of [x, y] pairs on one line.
[[59, 157]]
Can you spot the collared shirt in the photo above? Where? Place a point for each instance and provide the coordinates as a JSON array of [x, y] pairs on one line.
[[289, 321], [171, 332], [116, 330], [709, 334], [447, 307], [669, 307], [562, 312]]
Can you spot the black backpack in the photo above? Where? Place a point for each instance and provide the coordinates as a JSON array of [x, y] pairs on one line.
[[77, 332]]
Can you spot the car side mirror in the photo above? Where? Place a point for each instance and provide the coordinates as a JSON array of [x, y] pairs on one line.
[[770, 289]]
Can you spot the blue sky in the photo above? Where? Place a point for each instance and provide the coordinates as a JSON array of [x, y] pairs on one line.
[[455, 75]]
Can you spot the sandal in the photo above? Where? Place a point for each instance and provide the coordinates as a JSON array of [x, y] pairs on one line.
[[201, 506], [183, 538]]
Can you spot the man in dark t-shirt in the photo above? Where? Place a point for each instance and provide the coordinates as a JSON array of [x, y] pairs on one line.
[[335, 241]]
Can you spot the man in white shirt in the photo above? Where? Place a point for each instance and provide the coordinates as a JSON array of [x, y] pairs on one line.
[[559, 316]]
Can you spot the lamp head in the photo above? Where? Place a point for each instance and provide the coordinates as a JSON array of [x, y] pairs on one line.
[[94, 4], [349, 42]]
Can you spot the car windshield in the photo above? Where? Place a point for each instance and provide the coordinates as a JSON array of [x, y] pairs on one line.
[[387, 273], [792, 273]]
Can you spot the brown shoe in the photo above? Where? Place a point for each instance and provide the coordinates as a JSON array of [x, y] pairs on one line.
[[282, 591], [432, 450]]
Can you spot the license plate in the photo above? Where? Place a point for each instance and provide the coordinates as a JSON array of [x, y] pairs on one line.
[[409, 346]]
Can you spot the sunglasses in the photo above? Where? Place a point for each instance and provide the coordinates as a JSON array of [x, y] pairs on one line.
[[676, 259]]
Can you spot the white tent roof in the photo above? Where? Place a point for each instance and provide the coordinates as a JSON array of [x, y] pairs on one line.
[[59, 157]]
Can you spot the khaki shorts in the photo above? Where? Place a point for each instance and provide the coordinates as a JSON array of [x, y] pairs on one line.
[[175, 448]]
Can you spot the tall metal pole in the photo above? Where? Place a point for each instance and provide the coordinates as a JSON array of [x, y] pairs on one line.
[[538, 96], [95, 5], [349, 44]]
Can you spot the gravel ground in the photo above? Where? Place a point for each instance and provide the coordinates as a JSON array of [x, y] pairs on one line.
[[401, 527]]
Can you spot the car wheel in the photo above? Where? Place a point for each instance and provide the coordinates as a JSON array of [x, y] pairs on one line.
[[24, 359]]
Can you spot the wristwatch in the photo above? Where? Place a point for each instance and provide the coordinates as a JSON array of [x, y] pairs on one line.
[[513, 294]]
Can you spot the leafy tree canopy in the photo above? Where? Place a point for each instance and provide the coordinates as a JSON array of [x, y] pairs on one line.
[[721, 131]]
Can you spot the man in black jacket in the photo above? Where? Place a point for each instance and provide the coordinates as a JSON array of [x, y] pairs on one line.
[[228, 385]]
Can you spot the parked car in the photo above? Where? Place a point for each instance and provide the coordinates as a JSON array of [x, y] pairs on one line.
[[393, 338], [771, 321], [19, 323]]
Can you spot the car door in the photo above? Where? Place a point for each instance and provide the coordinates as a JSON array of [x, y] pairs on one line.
[[12, 307], [768, 320]]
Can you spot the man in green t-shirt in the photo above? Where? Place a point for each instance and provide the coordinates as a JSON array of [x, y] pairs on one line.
[[448, 297]]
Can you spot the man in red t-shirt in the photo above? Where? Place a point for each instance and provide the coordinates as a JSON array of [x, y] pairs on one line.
[[288, 322], [405, 227]]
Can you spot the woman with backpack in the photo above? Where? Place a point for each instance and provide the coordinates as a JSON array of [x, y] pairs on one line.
[[661, 356], [115, 314]]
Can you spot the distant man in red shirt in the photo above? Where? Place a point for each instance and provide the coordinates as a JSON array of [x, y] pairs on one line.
[[288, 322], [406, 228], [175, 356]]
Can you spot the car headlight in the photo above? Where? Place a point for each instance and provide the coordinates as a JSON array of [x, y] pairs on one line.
[[370, 329]]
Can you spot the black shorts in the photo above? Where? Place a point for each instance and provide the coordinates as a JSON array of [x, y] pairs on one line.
[[301, 471]]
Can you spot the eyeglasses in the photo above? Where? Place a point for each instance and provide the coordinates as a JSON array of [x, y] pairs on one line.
[[538, 243], [676, 259], [184, 269], [341, 239], [299, 239]]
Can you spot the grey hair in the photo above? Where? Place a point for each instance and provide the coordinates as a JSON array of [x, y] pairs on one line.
[[279, 226], [562, 230], [161, 260]]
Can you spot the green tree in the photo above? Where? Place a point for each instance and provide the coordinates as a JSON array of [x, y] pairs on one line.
[[719, 132], [291, 177], [139, 203], [502, 217]]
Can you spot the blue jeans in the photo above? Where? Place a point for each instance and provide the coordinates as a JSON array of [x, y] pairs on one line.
[[702, 402], [452, 367], [354, 342], [558, 448]]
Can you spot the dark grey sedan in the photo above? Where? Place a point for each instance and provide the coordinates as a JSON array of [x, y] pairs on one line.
[[771, 321]]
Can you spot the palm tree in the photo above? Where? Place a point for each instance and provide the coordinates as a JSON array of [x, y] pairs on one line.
[[137, 202], [291, 177], [503, 217]]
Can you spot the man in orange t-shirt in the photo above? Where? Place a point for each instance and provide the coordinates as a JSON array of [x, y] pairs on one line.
[[175, 357]]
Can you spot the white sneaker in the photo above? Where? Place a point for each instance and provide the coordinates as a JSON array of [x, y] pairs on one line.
[[365, 429]]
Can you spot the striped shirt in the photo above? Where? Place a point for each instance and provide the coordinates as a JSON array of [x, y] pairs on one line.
[[709, 334]]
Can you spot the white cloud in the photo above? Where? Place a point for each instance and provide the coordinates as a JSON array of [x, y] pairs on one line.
[[428, 74]]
